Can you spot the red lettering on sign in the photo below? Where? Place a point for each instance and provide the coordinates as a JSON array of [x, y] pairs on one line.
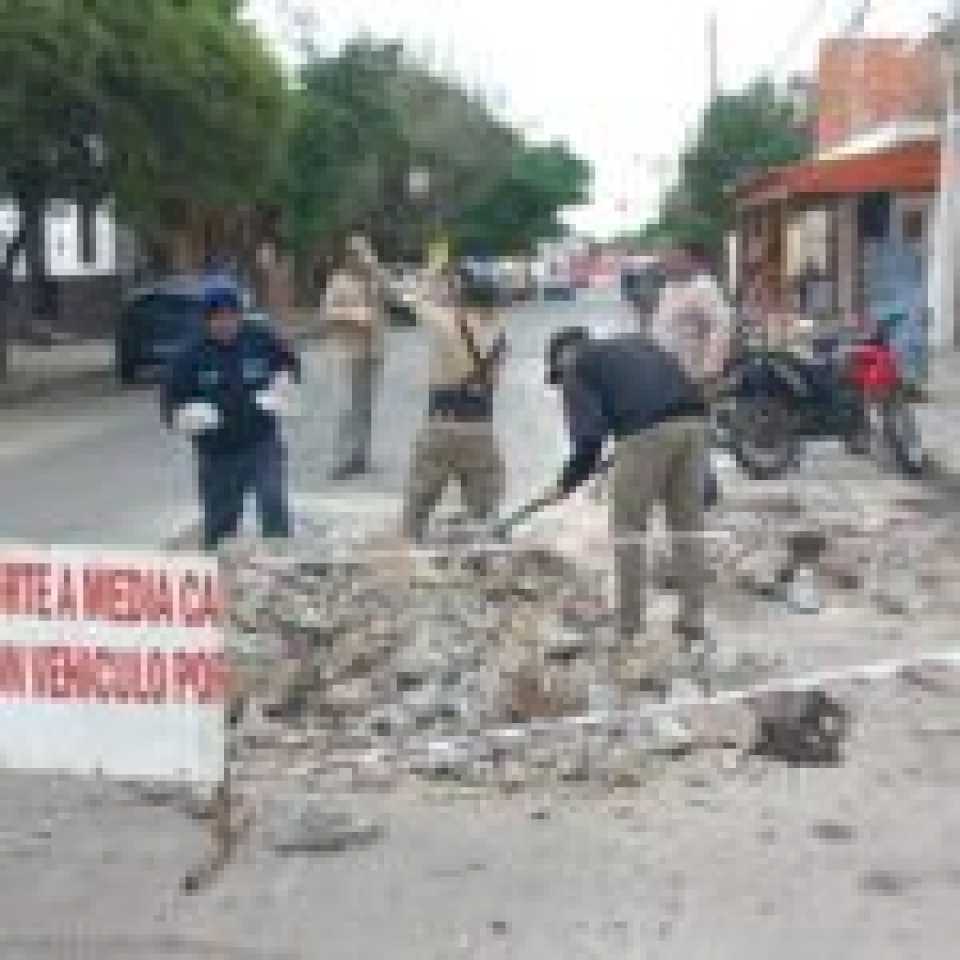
[[68, 606], [25, 589], [96, 586], [112, 676], [121, 595], [199, 601], [13, 671]]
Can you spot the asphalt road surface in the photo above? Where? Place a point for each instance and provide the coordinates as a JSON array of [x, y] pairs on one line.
[[101, 469]]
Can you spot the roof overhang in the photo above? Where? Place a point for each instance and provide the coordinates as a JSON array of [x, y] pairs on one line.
[[909, 168]]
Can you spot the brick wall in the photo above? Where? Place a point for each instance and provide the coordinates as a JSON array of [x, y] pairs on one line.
[[864, 83]]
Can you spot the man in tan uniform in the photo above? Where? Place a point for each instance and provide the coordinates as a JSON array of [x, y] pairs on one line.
[[458, 441], [467, 347], [355, 315]]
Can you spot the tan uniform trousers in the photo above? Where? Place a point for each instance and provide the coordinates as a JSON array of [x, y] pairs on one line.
[[446, 449], [663, 464]]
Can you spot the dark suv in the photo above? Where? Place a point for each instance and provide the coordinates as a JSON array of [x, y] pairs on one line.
[[158, 320]]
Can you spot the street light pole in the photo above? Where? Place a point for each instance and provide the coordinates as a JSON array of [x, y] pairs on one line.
[[713, 55], [949, 252], [951, 157]]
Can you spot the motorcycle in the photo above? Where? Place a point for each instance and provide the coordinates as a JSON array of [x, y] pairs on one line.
[[775, 400]]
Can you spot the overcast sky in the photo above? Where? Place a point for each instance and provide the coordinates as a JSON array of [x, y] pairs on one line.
[[622, 81]]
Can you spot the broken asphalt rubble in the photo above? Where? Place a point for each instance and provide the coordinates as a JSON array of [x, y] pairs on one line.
[[476, 667], [365, 667]]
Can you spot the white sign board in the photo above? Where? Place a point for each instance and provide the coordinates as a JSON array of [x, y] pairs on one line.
[[111, 662]]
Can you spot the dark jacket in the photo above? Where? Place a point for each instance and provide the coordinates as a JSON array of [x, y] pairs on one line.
[[229, 376], [618, 388]]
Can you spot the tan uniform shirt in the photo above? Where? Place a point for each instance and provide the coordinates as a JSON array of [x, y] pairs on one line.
[[694, 322], [355, 313], [450, 359]]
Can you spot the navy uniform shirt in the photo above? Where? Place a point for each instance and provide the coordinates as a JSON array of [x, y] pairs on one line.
[[616, 388], [229, 376]]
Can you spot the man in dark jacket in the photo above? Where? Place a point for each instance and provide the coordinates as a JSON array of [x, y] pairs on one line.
[[227, 390], [636, 392]]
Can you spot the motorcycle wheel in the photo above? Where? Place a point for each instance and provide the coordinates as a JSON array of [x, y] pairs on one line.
[[902, 433], [763, 438]]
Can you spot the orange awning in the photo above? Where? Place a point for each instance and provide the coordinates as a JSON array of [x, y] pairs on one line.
[[912, 168]]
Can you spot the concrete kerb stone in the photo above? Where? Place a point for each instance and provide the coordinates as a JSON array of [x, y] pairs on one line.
[[17, 392]]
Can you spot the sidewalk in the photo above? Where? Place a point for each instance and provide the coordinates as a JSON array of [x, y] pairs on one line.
[[34, 370], [939, 418]]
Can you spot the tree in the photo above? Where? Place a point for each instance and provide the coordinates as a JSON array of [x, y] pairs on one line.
[[345, 138], [161, 104], [522, 207], [741, 133], [367, 116]]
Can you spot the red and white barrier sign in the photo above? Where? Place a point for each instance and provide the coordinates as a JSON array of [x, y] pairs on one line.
[[112, 662]]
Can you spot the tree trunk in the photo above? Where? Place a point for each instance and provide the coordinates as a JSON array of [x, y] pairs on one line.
[[6, 286], [39, 298]]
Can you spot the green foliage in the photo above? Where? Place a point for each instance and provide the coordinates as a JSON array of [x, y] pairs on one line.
[[741, 133], [345, 140], [522, 207], [365, 117], [187, 103]]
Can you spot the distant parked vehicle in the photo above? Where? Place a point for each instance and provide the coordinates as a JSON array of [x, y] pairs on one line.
[[641, 281], [401, 298], [517, 280], [158, 320], [557, 282]]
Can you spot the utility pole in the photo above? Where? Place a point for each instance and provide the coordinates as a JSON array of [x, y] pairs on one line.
[[951, 157], [949, 234], [713, 55]]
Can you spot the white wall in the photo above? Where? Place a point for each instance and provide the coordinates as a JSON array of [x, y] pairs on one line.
[[63, 240]]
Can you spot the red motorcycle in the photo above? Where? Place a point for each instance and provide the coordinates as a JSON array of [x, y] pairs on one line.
[[885, 413], [775, 400]]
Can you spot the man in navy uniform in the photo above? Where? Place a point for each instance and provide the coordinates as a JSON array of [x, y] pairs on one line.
[[227, 391]]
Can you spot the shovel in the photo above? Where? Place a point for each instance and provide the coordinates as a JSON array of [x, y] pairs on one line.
[[502, 530]]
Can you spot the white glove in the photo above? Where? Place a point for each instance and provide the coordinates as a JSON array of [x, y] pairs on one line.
[[280, 397], [197, 417]]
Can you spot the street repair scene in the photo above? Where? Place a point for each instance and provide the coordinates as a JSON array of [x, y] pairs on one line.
[[434, 532]]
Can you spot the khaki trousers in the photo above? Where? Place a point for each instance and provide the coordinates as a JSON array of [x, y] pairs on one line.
[[664, 464], [363, 370], [448, 449]]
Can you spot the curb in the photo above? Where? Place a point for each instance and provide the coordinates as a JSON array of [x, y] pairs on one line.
[[17, 394]]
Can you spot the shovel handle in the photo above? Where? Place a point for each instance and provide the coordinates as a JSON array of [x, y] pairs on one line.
[[502, 529]]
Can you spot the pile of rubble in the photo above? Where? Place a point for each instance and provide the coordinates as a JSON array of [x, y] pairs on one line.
[[478, 667], [889, 563], [463, 669]]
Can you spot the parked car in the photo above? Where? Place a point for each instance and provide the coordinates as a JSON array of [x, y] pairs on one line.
[[401, 297], [489, 274], [641, 281], [156, 321], [557, 282], [518, 282]]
